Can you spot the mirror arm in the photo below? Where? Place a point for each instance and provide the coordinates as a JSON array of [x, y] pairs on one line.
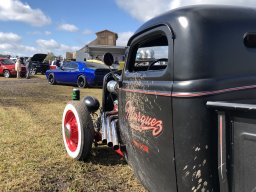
[[113, 75]]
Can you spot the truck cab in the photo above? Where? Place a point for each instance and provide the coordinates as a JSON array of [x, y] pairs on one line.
[[180, 67]]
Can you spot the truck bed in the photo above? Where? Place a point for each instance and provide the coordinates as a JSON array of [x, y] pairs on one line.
[[236, 145]]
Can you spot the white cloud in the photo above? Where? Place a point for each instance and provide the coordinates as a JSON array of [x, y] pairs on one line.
[[87, 32], [66, 48], [123, 38], [47, 44], [15, 10], [9, 37], [55, 47], [14, 46], [47, 32], [34, 33], [43, 46], [40, 33], [68, 27], [10, 43], [17, 49], [6, 46], [146, 9]]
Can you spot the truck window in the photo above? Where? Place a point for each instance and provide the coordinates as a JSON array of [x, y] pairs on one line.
[[151, 54]]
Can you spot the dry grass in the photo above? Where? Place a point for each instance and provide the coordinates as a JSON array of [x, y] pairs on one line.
[[32, 154]]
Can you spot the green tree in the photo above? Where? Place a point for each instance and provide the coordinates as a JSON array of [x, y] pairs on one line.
[[50, 57]]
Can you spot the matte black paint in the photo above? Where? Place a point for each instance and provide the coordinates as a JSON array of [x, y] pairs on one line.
[[206, 55], [237, 170]]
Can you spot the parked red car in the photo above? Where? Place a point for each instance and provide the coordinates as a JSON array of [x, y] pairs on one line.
[[7, 68]]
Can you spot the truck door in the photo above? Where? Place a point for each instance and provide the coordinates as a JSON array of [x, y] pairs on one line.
[[145, 109]]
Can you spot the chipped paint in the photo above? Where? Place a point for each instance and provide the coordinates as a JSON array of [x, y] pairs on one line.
[[187, 173], [197, 149], [185, 167], [198, 174]]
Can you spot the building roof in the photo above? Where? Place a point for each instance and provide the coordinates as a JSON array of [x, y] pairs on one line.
[[105, 48], [105, 31]]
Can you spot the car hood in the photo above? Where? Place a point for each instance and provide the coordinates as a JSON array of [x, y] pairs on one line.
[[38, 57]]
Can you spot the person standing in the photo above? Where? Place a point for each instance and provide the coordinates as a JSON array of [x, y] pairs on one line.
[[28, 67], [54, 61], [57, 63], [18, 67]]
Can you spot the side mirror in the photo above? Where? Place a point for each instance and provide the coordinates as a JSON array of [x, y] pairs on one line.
[[108, 59]]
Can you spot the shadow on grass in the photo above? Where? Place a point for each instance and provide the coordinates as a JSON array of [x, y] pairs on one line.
[[106, 156]]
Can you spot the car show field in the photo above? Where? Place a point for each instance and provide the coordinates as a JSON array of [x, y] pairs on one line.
[[32, 153]]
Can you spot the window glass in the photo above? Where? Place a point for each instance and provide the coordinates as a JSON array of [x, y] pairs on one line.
[[96, 66], [7, 61], [73, 65], [66, 65], [151, 54]]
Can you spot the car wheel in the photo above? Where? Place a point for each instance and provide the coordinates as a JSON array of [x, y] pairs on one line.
[[7, 74], [51, 79], [77, 130], [81, 81]]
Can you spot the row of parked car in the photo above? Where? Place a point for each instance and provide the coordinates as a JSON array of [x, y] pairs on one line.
[[82, 74], [7, 66]]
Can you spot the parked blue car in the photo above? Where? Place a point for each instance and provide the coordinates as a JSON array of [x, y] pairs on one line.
[[82, 74]]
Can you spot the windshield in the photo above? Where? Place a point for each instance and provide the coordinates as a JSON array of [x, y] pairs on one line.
[[96, 65], [7, 61]]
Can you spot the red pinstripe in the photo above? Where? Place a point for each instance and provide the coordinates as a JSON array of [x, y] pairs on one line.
[[188, 94]]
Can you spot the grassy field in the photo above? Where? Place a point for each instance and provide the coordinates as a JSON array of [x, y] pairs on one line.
[[32, 155]]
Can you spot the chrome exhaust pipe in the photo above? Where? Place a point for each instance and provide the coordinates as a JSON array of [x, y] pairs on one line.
[[109, 134], [104, 128], [104, 125], [109, 130], [114, 134]]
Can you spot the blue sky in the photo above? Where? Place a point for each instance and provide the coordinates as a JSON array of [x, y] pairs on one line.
[[31, 26]]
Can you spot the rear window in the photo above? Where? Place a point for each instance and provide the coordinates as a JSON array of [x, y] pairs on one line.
[[96, 66], [150, 53], [7, 61]]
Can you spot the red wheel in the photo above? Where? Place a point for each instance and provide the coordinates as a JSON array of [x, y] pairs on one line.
[[77, 130], [71, 130]]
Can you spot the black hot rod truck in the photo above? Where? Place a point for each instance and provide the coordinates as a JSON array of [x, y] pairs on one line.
[[183, 110]]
